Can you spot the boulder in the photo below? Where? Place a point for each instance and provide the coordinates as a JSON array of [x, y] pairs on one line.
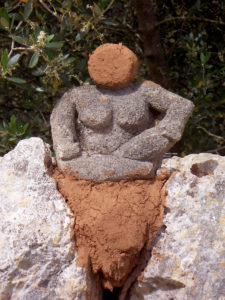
[[188, 258], [37, 257]]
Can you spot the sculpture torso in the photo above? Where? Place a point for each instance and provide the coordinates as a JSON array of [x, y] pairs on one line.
[[107, 119], [102, 134]]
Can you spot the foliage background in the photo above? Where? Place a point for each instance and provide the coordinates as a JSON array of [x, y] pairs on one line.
[[45, 44]]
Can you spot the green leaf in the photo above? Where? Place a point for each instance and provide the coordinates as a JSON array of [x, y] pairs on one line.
[[97, 10], [110, 22], [40, 89], [19, 39], [16, 80], [109, 5], [5, 125], [13, 123], [27, 10], [12, 21], [18, 17], [13, 61], [204, 58], [4, 23], [49, 38], [51, 53], [39, 71], [4, 19], [33, 60], [207, 57], [63, 57], [4, 59], [80, 35], [4, 14], [25, 127], [37, 31], [102, 4], [13, 139], [54, 45], [70, 60]]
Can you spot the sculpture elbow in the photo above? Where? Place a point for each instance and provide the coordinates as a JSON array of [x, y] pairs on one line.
[[186, 106], [173, 137]]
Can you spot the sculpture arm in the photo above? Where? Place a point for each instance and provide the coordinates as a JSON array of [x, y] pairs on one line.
[[146, 146], [177, 110], [62, 121], [154, 142]]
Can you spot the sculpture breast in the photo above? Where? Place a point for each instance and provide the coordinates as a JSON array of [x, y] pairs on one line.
[[132, 114], [93, 113]]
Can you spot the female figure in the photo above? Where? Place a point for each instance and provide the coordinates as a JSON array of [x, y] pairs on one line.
[[117, 129]]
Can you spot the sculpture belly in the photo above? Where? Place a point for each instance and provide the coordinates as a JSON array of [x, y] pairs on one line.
[[102, 142]]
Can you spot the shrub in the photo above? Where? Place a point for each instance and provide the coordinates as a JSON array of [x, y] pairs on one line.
[[44, 48]]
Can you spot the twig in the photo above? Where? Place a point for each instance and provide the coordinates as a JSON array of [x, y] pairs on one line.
[[14, 7], [169, 154], [191, 19], [211, 134], [183, 18], [120, 27], [48, 9], [19, 25], [13, 42], [23, 48], [42, 115], [11, 50], [216, 150], [108, 7]]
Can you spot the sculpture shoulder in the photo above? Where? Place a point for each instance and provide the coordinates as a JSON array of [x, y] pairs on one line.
[[151, 83], [161, 99], [83, 92], [148, 85], [75, 93]]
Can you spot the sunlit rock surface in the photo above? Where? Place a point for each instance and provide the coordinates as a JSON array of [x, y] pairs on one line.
[[37, 260], [188, 260]]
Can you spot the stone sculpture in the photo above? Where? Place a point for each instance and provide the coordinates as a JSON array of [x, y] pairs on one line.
[[116, 129]]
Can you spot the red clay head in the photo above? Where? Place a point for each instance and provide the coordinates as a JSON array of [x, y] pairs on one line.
[[112, 66]]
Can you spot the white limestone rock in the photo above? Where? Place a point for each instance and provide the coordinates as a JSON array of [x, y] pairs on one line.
[[188, 260], [36, 256]]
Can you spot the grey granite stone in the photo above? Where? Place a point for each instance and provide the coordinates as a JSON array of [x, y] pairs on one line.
[[188, 259], [37, 259], [102, 134]]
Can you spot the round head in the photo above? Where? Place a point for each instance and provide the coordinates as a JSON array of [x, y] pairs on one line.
[[112, 65]]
